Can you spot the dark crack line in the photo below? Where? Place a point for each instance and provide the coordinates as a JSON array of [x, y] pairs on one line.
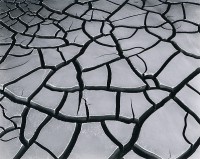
[[72, 143], [118, 99], [110, 136], [46, 149], [184, 129], [80, 81]]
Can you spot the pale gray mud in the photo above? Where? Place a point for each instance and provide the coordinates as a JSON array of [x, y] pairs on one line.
[[99, 79]]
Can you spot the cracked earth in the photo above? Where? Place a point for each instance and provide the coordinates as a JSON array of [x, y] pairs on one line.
[[115, 79]]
